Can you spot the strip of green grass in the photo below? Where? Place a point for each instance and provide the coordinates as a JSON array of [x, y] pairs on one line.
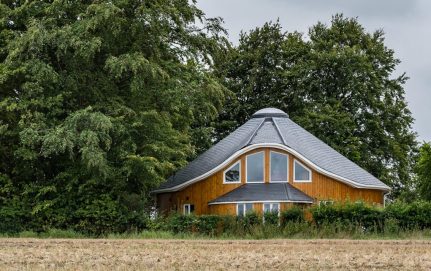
[[293, 231]]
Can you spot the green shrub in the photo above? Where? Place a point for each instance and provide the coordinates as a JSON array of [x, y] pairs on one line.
[[12, 219], [293, 214], [349, 215], [250, 219], [178, 223], [271, 218], [208, 224], [410, 216]]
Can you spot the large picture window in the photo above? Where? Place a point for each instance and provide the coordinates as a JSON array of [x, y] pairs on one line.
[[279, 163], [255, 167], [243, 208], [271, 208], [233, 174], [301, 173]]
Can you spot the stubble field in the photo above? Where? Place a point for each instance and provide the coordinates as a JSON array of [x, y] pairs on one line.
[[100, 254]]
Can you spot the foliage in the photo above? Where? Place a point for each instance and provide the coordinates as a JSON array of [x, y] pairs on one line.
[[293, 214], [271, 218], [423, 171], [99, 103], [181, 223], [357, 214], [347, 220], [409, 216], [339, 83]]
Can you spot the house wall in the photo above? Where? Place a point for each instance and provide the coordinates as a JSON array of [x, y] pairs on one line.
[[321, 188]]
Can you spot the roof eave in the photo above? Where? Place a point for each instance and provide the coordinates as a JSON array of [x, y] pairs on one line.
[[272, 145]]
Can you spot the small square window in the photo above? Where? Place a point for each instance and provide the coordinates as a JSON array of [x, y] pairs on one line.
[[188, 209]]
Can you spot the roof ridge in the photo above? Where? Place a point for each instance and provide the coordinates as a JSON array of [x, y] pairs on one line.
[[279, 132], [254, 133], [298, 190], [287, 190], [236, 188]]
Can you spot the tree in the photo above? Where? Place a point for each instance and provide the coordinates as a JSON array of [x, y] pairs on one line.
[[97, 105], [338, 83], [423, 171]]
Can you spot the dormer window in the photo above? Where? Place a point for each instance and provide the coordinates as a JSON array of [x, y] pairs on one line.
[[233, 174], [279, 167], [301, 173], [255, 167]]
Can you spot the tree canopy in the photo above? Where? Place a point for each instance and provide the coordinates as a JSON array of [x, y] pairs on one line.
[[423, 171], [338, 83], [99, 102]]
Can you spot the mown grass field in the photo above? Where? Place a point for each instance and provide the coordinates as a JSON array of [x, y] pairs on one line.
[[129, 254]]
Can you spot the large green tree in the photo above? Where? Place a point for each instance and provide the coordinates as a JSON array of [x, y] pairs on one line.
[[423, 171], [99, 102], [338, 82]]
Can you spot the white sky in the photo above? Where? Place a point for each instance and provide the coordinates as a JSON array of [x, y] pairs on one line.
[[407, 24]]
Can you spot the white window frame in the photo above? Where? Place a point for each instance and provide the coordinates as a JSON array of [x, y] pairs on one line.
[[270, 163], [326, 202], [224, 173], [244, 207], [270, 206], [306, 168], [263, 166], [184, 209]]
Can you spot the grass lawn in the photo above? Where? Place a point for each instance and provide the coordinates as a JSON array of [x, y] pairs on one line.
[[275, 254]]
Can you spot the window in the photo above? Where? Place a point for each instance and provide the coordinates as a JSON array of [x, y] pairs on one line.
[[271, 207], [188, 209], [326, 202], [233, 174], [301, 173], [271, 213], [279, 164], [243, 208], [255, 167]]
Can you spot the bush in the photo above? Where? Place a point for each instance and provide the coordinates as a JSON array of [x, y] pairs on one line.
[[208, 224], [249, 220], [349, 215], [410, 216], [271, 218], [293, 214], [346, 220], [181, 223]]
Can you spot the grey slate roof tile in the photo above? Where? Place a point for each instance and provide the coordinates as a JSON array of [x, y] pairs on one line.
[[271, 125], [321, 154], [267, 134], [277, 192], [215, 155]]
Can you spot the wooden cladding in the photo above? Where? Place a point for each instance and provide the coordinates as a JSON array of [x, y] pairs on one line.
[[320, 188]]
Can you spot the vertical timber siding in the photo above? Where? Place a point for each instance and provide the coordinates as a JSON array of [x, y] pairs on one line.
[[200, 193]]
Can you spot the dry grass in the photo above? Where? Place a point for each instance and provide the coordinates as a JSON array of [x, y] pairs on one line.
[[87, 254]]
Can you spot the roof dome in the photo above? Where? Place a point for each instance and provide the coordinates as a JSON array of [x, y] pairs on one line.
[[270, 112]]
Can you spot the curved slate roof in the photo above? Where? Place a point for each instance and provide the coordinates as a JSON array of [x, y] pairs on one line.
[[259, 192], [272, 125]]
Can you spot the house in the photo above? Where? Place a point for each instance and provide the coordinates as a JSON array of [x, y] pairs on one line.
[[269, 163]]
